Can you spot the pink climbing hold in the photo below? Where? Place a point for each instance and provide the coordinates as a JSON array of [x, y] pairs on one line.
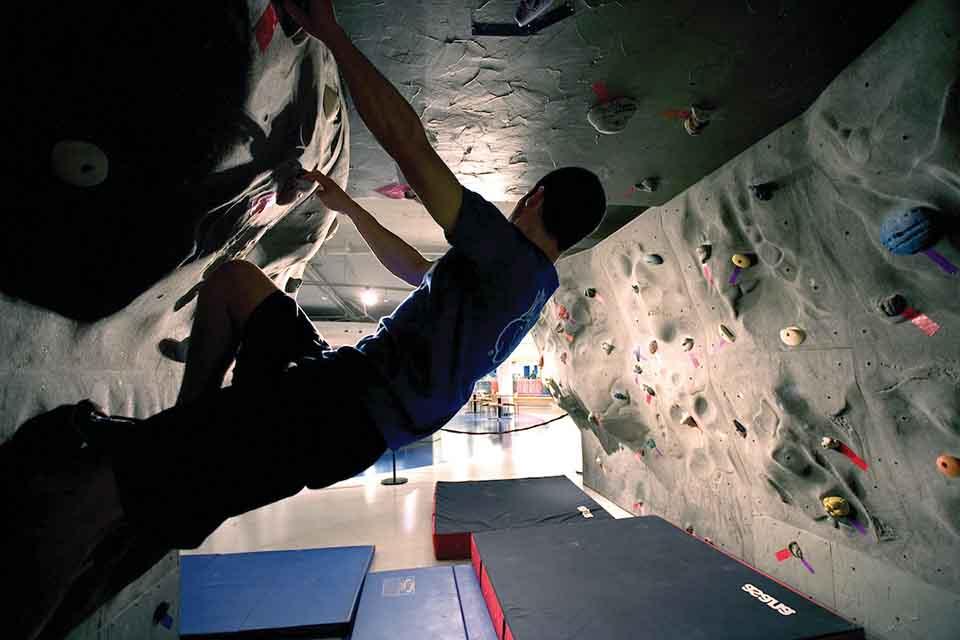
[[266, 25], [394, 190]]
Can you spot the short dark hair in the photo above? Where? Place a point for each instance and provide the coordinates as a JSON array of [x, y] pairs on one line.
[[573, 204]]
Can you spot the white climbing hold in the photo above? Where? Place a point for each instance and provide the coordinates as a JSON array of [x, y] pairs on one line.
[[79, 163], [793, 336], [612, 116], [727, 334]]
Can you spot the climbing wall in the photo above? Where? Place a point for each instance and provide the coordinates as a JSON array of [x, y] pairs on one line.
[[773, 356]]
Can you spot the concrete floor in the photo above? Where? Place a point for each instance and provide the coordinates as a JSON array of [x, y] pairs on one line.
[[397, 520]]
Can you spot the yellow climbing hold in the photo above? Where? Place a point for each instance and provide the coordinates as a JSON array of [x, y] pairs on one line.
[[836, 507]]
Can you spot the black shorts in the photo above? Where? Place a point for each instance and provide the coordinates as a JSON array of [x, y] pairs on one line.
[[292, 418]]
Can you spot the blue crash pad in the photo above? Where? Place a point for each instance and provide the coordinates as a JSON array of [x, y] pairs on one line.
[[309, 590], [410, 604], [474, 609]]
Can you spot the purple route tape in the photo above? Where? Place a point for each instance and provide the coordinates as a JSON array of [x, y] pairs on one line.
[[859, 527], [735, 275], [941, 261], [807, 565]]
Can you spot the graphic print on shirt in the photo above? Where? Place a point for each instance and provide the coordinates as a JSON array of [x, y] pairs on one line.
[[516, 329]]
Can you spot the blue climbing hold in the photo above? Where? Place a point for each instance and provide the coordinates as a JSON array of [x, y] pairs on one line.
[[907, 232]]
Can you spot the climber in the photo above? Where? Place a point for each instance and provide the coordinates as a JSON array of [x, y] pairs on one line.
[[299, 413]]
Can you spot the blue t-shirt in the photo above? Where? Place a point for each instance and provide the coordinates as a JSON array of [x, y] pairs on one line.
[[467, 316]]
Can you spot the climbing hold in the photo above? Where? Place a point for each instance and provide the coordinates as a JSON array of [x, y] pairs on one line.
[[907, 232], [79, 163], [949, 466], [621, 395], [893, 306], [591, 417], [743, 260], [696, 121], [649, 390], [637, 369], [652, 347], [635, 287], [607, 347], [687, 344], [563, 357], [590, 292], [552, 388], [727, 334], [559, 328], [829, 443], [763, 191], [653, 258], [612, 116], [836, 507], [648, 185], [703, 252], [742, 430], [689, 420], [793, 336]]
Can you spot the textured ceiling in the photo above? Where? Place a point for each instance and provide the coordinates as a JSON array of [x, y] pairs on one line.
[[502, 111]]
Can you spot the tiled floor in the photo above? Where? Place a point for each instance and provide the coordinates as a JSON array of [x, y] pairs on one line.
[[398, 519]]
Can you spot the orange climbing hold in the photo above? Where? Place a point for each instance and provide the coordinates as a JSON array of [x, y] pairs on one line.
[[949, 466]]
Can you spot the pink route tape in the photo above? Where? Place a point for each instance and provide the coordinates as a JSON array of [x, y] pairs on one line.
[[941, 261], [266, 25], [694, 361], [921, 321], [708, 274], [649, 398], [735, 275], [783, 554]]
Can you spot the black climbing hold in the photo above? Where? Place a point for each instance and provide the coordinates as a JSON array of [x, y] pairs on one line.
[[742, 430], [763, 191], [648, 185], [894, 305], [590, 292], [635, 287], [653, 258]]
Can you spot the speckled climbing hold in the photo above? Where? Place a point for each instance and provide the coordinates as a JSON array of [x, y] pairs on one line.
[[892, 306], [590, 292], [621, 395], [612, 116], [653, 258], [607, 347], [687, 344], [726, 333], [79, 163], [836, 507], [741, 430], [829, 443], [649, 390], [637, 369], [704, 252], [648, 185], [792, 336], [653, 347], [763, 191], [696, 121], [743, 260], [949, 466], [907, 232]]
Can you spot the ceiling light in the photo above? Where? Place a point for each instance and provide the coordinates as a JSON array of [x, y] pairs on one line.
[[369, 297]]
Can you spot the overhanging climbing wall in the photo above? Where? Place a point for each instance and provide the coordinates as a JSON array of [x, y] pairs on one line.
[[705, 389]]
